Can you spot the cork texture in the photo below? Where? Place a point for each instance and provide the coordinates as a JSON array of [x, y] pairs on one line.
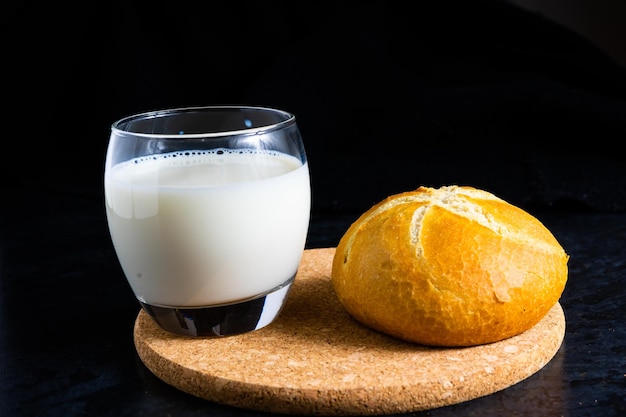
[[315, 359]]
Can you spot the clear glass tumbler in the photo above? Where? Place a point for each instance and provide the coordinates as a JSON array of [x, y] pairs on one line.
[[208, 210]]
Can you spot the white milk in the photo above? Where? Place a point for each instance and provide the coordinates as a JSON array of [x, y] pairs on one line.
[[200, 228]]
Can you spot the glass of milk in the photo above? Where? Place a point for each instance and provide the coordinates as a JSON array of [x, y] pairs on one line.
[[208, 210]]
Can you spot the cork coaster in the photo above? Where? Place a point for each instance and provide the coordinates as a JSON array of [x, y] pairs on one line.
[[316, 360]]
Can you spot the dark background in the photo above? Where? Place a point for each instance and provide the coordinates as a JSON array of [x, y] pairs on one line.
[[388, 95]]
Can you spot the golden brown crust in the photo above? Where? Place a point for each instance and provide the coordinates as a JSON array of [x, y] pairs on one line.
[[454, 266]]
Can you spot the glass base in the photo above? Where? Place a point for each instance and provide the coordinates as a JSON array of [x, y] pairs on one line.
[[221, 320]]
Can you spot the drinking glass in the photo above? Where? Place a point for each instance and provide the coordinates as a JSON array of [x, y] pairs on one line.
[[208, 211]]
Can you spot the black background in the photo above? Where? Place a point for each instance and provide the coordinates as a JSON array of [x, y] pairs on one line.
[[388, 95]]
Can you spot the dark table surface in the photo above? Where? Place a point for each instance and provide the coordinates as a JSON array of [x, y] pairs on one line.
[[67, 315]]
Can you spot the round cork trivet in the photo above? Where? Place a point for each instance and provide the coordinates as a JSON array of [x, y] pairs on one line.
[[316, 360]]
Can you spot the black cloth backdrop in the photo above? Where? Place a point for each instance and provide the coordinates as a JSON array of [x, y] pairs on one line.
[[388, 95]]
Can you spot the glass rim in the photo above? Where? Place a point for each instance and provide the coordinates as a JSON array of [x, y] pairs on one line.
[[289, 118]]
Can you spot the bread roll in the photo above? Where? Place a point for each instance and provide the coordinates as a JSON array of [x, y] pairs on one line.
[[454, 266]]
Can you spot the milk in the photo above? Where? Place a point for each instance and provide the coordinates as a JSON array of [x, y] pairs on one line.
[[206, 227]]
